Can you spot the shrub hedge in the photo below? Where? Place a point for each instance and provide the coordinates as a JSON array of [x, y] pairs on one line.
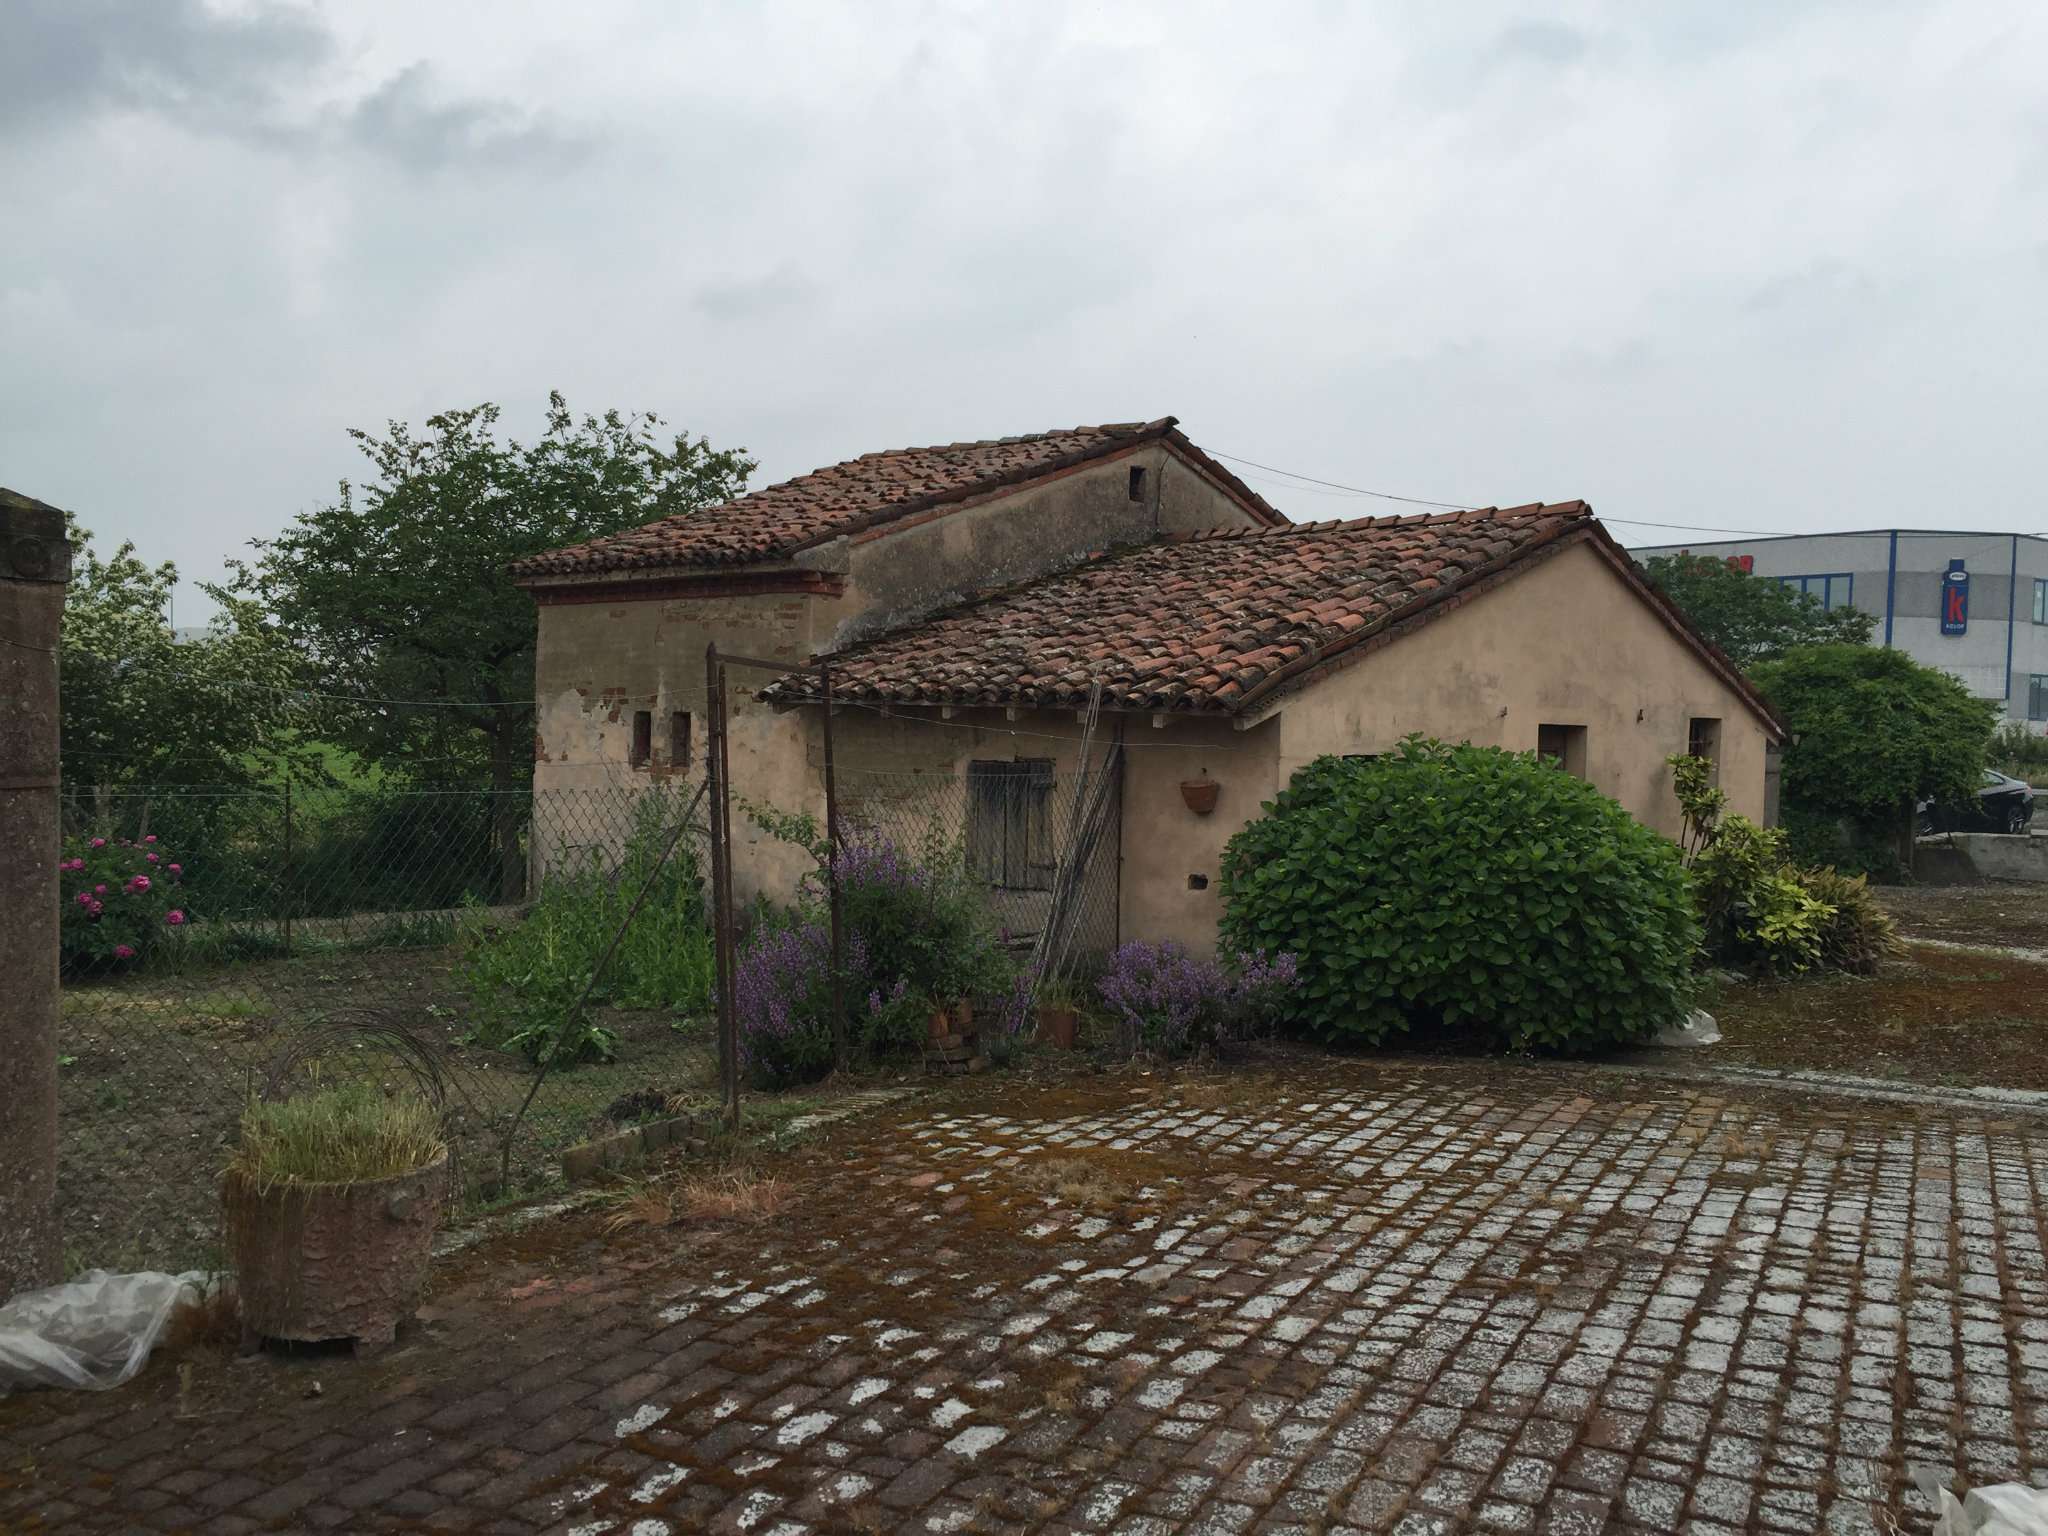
[[1463, 892]]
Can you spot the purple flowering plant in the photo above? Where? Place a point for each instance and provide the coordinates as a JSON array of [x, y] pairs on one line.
[[782, 991], [923, 920], [1166, 1001], [119, 899], [918, 934]]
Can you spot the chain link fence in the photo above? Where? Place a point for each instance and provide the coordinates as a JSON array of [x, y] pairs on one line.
[[214, 936], [1043, 845], [219, 943]]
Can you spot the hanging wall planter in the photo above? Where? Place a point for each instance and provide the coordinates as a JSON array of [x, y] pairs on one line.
[[1200, 795]]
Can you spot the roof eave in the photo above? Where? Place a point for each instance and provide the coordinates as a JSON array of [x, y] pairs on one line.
[[629, 575]]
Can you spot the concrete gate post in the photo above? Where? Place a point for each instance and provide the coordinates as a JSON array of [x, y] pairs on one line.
[[35, 562]]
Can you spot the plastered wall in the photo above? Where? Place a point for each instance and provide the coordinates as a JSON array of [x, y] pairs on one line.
[[1565, 643], [907, 569], [599, 662]]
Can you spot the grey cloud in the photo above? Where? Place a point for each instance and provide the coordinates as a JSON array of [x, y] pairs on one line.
[[1824, 284], [64, 58], [235, 75], [1542, 42], [749, 298], [408, 119]]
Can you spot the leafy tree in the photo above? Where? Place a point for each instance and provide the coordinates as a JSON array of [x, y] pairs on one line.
[[1753, 618], [398, 589], [141, 709], [1874, 733]]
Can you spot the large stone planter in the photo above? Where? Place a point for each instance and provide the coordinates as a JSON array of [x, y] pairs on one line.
[[332, 1261]]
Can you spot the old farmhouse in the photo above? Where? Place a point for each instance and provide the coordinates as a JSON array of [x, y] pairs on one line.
[[975, 597]]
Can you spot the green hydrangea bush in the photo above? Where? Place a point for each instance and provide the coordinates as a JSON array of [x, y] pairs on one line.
[[1463, 893]]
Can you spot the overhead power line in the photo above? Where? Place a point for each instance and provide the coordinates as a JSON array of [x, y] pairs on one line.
[[1641, 522], [1632, 522], [1333, 485]]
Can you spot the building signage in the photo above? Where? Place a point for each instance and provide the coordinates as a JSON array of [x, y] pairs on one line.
[[1955, 599]]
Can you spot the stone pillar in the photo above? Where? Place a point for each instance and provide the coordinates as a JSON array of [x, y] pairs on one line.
[[35, 562]]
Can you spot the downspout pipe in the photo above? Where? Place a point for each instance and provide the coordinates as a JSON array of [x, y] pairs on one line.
[[2012, 608], [1891, 581]]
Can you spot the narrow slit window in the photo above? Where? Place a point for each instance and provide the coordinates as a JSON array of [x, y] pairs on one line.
[[643, 738], [1137, 484], [1703, 739], [679, 741]]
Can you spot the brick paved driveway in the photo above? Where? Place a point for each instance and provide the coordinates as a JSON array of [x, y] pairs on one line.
[[1318, 1297]]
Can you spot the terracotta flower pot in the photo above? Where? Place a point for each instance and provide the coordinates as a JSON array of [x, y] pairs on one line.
[[963, 1015], [1200, 795], [941, 1024], [332, 1261], [1057, 1026]]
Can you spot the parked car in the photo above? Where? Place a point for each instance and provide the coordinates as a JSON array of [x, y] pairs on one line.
[[2004, 804]]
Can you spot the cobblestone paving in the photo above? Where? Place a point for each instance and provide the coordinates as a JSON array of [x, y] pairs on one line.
[[1330, 1296]]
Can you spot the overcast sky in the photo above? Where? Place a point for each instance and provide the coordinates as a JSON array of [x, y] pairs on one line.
[[1768, 266]]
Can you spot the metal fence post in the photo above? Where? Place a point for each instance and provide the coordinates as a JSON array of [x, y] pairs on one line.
[[291, 893], [715, 764], [35, 563], [832, 888]]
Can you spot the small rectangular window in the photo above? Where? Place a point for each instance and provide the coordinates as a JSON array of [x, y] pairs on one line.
[[1009, 823], [2040, 601], [1563, 746], [2037, 697], [1137, 485], [679, 741], [643, 738], [1703, 739]]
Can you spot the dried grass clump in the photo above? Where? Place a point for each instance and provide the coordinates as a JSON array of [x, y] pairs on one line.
[[211, 1323], [736, 1195], [344, 1135], [1077, 1181]]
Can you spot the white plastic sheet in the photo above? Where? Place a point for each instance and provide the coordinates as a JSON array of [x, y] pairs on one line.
[[2003, 1509], [91, 1334]]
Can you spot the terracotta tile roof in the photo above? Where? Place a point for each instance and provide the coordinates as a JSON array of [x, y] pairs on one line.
[[1208, 623], [843, 498]]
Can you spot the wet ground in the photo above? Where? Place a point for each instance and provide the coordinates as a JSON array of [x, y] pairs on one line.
[[1965, 1004], [1312, 1296], [2010, 914], [1935, 1016]]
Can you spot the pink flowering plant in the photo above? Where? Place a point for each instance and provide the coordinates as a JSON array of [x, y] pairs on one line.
[[118, 898]]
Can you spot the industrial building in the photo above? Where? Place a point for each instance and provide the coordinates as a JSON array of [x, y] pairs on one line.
[[1944, 598]]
